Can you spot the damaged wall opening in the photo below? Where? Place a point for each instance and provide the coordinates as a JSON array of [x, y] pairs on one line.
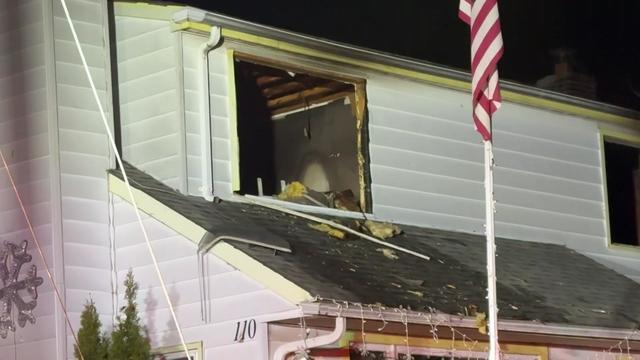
[[301, 135]]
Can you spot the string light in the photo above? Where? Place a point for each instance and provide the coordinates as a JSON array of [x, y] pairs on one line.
[[406, 332], [303, 354], [617, 350], [453, 345], [621, 349], [381, 316], [364, 335]]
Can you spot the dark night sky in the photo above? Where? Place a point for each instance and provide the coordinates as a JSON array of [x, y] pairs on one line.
[[604, 33]]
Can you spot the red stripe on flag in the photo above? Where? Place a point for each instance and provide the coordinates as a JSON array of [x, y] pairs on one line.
[[486, 50], [493, 33], [484, 132], [464, 13], [479, 18], [481, 86]]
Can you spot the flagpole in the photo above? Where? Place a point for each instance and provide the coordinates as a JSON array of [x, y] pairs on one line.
[[494, 350]]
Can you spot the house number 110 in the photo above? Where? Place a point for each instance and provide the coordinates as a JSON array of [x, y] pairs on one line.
[[247, 327]]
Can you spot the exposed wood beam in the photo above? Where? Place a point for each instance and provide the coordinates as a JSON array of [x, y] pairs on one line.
[[283, 89], [264, 81], [307, 96], [320, 100]]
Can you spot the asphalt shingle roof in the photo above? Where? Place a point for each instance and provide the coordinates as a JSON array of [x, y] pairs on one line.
[[536, 281]]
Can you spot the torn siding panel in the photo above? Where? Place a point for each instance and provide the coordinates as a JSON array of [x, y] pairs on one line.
[[150, 91]]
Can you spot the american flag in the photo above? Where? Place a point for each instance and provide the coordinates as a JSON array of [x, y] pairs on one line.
[[486, 50]]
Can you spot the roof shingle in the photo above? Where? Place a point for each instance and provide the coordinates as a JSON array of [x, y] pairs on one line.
[[536, 281]]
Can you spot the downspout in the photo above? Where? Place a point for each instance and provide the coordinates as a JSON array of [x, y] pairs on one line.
[[285, 349], [206, 138]]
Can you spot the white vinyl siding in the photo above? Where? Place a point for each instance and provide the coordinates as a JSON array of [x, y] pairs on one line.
[[427, 169], [426, 162], [26, 145], [150, 93], [233, 296], [85, 155]]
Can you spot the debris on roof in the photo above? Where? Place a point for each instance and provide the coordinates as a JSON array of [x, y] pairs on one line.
[[344, 200], [388, 253], [293, 191], [481, 323], [333, 232], [297, 192], [381, 230]]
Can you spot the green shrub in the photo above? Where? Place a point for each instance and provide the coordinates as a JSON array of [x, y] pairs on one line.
[[91, 342], [129, 340]]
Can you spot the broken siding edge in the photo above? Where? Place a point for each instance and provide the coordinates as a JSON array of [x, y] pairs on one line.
[[247, 265]]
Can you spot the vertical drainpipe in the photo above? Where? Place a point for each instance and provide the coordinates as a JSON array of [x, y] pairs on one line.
[[287, 348], [206, 138]]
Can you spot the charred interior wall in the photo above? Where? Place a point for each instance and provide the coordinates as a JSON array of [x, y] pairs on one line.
[[318, 147]]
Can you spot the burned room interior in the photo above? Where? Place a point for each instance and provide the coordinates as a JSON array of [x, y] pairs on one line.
[[296, 128]]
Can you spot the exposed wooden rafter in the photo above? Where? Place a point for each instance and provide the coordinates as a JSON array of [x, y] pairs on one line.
[[286, 91]]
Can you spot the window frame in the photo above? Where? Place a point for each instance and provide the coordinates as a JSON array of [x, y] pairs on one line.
[[607, 135], [177, 351], [299, 65]]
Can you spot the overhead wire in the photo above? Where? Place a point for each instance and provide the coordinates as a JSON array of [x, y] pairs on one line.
[[125, 178]]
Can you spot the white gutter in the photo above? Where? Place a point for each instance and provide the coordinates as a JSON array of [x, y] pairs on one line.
[[188, 14], [283, 350], [205, 112], [414, 317]]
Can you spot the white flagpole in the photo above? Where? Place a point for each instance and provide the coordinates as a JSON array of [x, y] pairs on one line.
[[494, 350]]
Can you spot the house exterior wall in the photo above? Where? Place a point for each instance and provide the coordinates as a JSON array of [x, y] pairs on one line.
[[427, 169], [84, 155], [232, 296], [426, 161], [26, 98]]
